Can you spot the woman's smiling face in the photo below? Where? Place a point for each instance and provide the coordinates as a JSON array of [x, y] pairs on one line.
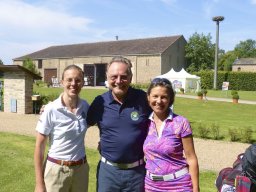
[[159, 99]]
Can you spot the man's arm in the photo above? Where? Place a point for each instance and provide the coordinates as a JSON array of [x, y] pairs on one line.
[[95, 112]]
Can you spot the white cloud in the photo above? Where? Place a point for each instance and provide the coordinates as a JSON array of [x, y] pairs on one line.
[[29, 23], [19, 16], [12, 50]]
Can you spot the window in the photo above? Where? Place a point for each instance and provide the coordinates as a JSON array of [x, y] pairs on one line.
[[147, 62], [40, 64]]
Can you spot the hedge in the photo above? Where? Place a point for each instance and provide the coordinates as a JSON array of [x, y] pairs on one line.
[[244, 81]]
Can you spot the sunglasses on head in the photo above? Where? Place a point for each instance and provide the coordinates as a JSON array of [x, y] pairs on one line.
[[161, 81]]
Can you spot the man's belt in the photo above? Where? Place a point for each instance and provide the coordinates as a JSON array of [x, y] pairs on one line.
[[123, 165]]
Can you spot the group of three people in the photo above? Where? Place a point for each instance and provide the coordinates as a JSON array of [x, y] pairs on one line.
[[144, 146]]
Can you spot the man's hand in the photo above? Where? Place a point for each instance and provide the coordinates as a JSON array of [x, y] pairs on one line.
[[41, 109]]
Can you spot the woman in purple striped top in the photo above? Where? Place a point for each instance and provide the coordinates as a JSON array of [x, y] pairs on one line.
[[171, 161]]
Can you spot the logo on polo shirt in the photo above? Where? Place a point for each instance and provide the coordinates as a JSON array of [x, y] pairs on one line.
[[134, 115]]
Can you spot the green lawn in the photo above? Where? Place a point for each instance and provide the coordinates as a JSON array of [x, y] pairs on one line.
[[244, 95], [86, 93], [17, 166], [227, 116]]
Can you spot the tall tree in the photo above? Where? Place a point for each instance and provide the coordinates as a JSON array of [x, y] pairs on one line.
[[28, 63], [200, 52], [226, 61], [1, 62], [246, 49], [243, 49]]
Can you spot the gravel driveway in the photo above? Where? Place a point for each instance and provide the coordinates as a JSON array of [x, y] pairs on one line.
[[212, 155]]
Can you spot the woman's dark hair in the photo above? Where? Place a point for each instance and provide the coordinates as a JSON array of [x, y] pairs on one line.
[[162, 82]]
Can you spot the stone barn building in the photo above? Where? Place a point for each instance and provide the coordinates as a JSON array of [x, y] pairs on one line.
[[150, 57]]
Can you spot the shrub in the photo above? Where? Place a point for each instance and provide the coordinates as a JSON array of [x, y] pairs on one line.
[[203, 131], [215, 129], [49, 98], [237, 80], [40, 83], [234, 135], [235, 96], [233, 92], [241, 80], [204, 91], [182, 90], [140, 85], [44, 99], [199, 93], [246, 135]]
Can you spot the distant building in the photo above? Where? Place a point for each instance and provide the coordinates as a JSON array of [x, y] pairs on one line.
[[150, 57], [244, 64], [18, 89]]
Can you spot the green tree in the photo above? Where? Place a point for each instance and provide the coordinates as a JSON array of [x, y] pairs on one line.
[[1, 62], [28, 63], [200, 52], [226, 61], [246, 49]]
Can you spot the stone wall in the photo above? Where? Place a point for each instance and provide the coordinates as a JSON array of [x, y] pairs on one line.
[[244, 68], [18, 86]]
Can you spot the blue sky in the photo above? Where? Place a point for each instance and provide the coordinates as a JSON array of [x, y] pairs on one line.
[[27, 26]]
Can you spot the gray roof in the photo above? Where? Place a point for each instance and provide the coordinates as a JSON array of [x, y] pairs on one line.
[[245, 61], [15, 68], [155, 45]]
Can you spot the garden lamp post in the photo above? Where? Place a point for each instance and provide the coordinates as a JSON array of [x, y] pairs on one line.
[[217, 19]]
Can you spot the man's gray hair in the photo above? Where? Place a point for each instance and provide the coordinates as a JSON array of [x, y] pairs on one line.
[[122, 60]]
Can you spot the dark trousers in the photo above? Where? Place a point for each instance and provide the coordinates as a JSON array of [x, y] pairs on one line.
[[113, 179]]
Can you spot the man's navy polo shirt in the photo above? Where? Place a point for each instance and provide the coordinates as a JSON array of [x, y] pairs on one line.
[[123, 128]]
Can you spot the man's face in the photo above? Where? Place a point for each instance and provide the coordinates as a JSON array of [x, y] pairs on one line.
[[118, 79]]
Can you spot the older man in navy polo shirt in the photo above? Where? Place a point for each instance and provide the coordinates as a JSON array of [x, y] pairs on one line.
[[121, 115]]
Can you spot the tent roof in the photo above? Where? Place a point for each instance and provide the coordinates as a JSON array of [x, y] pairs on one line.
[[182, 74]]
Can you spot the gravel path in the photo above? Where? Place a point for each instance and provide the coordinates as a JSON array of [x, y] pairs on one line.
[[212, 155]]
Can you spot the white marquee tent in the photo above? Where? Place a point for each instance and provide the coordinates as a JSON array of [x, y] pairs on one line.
[[182, 79]]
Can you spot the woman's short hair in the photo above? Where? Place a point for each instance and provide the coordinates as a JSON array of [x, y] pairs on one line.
[[73, 67]]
